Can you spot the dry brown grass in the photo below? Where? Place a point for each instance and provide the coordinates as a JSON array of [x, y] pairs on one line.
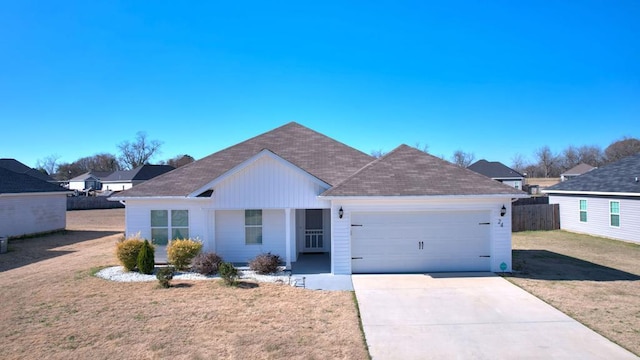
[[594, 280], [52, 307]]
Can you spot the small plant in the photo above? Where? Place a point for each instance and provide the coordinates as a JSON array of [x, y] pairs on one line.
[[146, 258], [228, 273], [164, 276], [127, 250], [265, 263], [180, 252], [206, 263]]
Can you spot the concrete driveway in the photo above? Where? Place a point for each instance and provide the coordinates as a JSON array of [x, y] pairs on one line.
[[469, 316]]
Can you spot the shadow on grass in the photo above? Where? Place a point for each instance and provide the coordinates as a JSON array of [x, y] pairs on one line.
[[181, 285], [547, 265], [246, 285], [30, 250]]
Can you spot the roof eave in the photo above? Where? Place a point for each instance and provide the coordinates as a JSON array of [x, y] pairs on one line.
[[421, 197], [598, 193]]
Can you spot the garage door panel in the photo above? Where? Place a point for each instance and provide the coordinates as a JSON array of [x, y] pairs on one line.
[[420, 241]]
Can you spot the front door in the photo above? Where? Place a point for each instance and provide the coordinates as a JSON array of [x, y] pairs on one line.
[[313, 232]]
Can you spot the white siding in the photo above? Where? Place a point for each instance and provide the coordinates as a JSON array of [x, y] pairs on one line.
[[138, 217], [513, 183], [230, 241], [24, 214], [598, 217], [267, 183], [76, 185], [117, 186], [500, 226]]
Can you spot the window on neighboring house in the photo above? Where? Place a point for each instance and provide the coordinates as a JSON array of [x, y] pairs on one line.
[[583, 210], [253, 227], [614, 213], [165, 222]]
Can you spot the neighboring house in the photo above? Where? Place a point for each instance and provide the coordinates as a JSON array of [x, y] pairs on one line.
[[89, 180], [292, 191], [20, 168], [603, 202], [498, 171], [576, 171], [29, 205], [126, 179]]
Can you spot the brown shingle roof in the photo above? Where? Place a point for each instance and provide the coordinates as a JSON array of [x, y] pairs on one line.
[[317, 154], [407, 171]]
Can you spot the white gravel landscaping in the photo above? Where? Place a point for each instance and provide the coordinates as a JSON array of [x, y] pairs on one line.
[[117, 273]]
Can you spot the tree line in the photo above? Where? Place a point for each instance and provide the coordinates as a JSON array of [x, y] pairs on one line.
[[548, 164], [132, 154]]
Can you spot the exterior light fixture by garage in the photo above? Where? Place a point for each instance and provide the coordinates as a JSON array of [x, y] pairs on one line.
[[503, 211], [340, 212]]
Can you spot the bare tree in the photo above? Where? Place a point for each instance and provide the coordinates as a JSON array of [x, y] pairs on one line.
[[462, 158], [518, 163], [591, 154], [547, 162], [378, 153], [423, 148], [99, 162], [570, 157], [48, 164], [139, 152], [622, 148]]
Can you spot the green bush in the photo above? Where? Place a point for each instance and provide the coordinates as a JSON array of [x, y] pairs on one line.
[[127, 250], [180, 252], [164, 276], [265, 263], [228, 273], [206, 263], [146, 258]]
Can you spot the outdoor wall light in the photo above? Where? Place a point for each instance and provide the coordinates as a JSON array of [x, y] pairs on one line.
[[503, 211], [340, 212]]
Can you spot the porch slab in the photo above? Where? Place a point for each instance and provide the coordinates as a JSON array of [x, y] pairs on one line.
[[324, 282]]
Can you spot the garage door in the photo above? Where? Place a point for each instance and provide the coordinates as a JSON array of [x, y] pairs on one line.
[[398, 242]]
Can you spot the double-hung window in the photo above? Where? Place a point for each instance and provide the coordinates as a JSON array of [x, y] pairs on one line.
[[583, 210], [253, 227], [169, 224], [614, 213]]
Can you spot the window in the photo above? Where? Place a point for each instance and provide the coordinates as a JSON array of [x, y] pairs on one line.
[[614, 213], [583, 210], [164, 222], [253, 227]]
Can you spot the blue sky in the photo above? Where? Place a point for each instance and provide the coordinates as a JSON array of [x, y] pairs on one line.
[[494, 78]]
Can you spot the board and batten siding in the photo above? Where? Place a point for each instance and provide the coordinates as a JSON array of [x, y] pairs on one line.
[[138, 217], [32, 213], [341, 228], [268, 183], [598, 220], [230, 235]]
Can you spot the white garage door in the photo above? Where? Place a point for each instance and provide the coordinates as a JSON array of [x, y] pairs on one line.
[[397, 242]]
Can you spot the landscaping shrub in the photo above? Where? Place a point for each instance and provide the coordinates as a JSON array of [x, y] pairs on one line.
[[146, 258], [206, 263], [265, 263], [228, 273], [127, 250], [164, 276], [180, 252]]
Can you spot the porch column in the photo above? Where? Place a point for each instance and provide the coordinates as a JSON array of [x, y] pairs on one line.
[[287, 236]]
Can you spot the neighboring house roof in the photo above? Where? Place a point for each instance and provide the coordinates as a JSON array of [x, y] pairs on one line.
[[407, 171], [578, 170], [20, 168], [17, 183], [315, 153], [141, 173], [619, 177], [494, 169], [92, 174]]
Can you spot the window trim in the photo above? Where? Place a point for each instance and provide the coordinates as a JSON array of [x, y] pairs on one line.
[[581, 211], [253, 226], [611, 214], [170, 227]]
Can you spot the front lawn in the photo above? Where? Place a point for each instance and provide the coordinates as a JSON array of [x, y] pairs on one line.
[[594, 280]]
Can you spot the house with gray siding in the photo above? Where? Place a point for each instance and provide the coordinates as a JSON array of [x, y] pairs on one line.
[[603, 202], [295, 192]]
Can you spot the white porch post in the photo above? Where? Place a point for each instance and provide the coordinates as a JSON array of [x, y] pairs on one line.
[[287, 237]]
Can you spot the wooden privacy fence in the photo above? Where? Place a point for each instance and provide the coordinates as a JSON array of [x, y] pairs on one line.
[[535, 217]]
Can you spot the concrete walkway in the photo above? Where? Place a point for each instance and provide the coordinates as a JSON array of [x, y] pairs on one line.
[[469, 316]]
